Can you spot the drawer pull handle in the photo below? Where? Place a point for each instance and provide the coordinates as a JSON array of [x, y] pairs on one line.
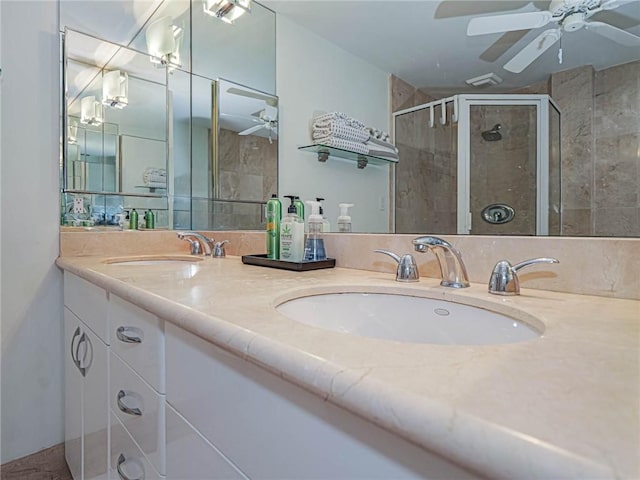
[[124, 334], [126, 409], [122, 475]]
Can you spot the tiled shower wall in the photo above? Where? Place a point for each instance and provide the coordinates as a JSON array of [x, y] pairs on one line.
[[248, 175], [600, 139]]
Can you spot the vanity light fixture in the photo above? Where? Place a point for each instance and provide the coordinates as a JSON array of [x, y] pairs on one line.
[[115, 89], [163, 43], [226, 10], [72, 133], [91, 111]]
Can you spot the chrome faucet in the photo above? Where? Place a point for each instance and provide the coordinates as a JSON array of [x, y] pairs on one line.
[[407, 268], [201, 242], [504, 277], [452, 268], [218, 249]]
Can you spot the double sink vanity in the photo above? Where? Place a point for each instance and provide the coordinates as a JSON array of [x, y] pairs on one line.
[[208, 368]]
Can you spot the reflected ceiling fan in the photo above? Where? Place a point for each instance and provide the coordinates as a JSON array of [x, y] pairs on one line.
[[268, 99], [569, 15], [268, 118]]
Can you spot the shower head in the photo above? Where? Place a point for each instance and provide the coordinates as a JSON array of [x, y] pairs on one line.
[[493, 135]]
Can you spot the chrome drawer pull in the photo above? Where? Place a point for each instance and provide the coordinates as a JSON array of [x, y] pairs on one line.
[[124, 408], [123, 336], [121, 474]]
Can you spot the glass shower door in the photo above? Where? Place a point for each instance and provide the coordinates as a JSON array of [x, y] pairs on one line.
[[503, 169]]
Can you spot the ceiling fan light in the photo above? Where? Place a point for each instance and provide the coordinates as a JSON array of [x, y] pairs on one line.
[[91, 112], [226, 10], [115, 89]]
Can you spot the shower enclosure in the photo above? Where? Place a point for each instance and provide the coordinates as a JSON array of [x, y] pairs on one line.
[[479, 164]]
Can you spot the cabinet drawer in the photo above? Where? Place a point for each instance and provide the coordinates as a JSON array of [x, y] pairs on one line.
[[88, 302], [191, 457], [140, 409], [127, 461], [137, 336]]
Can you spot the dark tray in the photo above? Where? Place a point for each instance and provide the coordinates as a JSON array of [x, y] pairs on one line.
[[263, 261]]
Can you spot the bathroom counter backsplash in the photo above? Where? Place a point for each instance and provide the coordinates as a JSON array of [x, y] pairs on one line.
[[562, 405], [605, 267]]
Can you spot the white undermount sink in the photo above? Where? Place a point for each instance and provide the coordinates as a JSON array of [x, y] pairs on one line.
[[148, 260], [407, 319]]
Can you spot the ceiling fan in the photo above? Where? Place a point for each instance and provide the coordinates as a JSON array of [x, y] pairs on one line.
[[269, 99], [269, 121], [569, 15]]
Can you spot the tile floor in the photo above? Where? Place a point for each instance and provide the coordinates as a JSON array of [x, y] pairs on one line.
[[48, 464]]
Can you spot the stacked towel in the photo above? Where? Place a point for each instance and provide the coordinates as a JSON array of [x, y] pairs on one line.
[[379, 134], [338, 130], [339, 118], [155, 177], [381, 148]]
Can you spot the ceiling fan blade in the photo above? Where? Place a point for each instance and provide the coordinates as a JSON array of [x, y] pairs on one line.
[[613, 4], [614, 33], [251, 130], [537, 47], [508, 23], [260, 96], [500, 46]]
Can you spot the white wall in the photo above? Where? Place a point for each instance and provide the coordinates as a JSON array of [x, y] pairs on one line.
[[31, 298], [315, 75]]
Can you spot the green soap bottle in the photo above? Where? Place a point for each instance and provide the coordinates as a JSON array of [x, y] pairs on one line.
[[133, 220], [274, 215], [149, 220]]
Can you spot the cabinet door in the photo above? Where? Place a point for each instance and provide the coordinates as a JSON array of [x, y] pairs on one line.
[[191, 457], [96, 408], [73, 395]]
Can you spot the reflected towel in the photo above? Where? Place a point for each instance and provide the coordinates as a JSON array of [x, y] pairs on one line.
[[154, 178], [330, 141], [383, 154], [156, 184]]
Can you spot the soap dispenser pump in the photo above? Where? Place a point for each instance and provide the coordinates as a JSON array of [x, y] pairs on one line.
[[314, 246], [326, 226]]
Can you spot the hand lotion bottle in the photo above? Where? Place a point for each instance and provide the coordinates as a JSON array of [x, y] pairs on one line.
[[291, 235]]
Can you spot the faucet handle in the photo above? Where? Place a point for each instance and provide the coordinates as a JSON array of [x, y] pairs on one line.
[[407, 268], [218, 249], [504, 277]]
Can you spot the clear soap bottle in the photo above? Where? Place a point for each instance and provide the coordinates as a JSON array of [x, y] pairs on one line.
[[314, 246], [291, 235], [344, 220]]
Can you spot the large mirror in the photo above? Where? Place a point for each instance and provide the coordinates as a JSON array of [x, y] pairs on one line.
[[595, 89]]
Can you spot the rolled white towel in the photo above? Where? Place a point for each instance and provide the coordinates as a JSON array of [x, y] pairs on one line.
[[152, 177], [378, 144], [357, 147], [340, 118], [341, 131], [155, 171]]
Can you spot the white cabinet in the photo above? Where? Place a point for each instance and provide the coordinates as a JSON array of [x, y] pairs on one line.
[[270, 428], [86, 408]]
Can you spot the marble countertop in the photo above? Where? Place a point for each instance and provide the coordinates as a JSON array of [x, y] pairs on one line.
[[563, 405]]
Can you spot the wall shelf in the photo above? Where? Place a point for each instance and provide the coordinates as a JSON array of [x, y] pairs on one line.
[[151, 189], [362, 160]]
